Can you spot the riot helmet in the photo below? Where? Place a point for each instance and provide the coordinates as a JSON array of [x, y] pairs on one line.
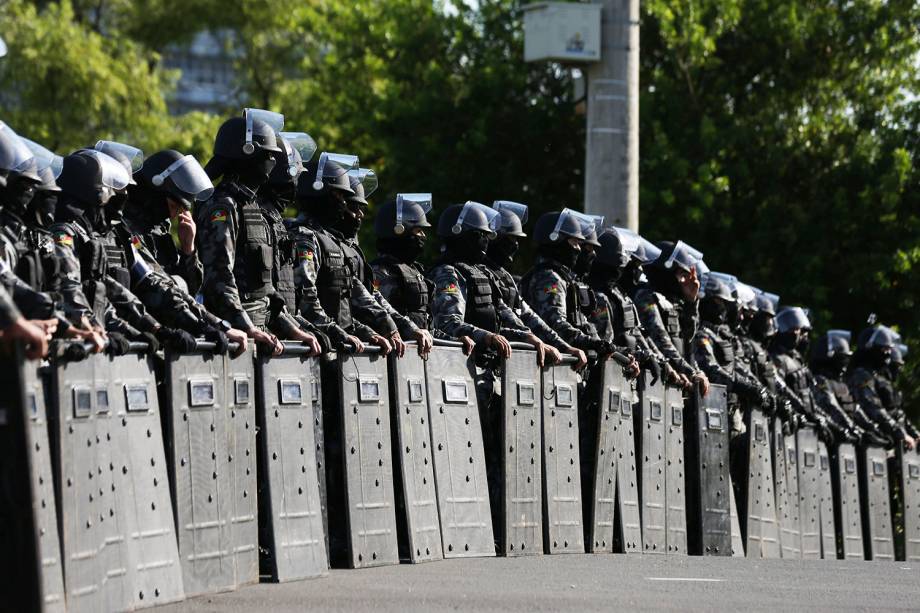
[[611, 252], [282, 182], [363, 182], [302, 142], [831, 352], [396, 218], [792, 328], [504, 247], [763, 326], [559, 236], [15, 156], [130, 157], [396, 223], [329, 173], [466, 229], [716, 300], [91, 178], [43, 205], [679, 255]]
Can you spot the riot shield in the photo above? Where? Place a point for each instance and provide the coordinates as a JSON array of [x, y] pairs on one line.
[[416, 494], [676, 520], [845, 483], [206, 400], [367, 459], [909, 486], [521, 505], [708, 512], [628, 518], [145, 486], [650, 449], [52, 578], [875, 503], [291, 541], [737, 541], [787, 491], [459, 460], [22, 558], [757, 503], [602, 503], [809, 494], [316, 396], [826, 509], [563, 530]]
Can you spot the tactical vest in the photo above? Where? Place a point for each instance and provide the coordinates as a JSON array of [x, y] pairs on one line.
[[627, 316], [671, 318], [509, 290], [413, 295], [844, 396], [480, 308], [762, 365], [573, 295], [333, 280], [255, 257], [283, 249], [35, 261], [798, 379], [116, 259], [586, 298]]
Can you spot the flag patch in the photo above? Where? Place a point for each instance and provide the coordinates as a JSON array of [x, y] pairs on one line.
[[64, 239], [219, 215]]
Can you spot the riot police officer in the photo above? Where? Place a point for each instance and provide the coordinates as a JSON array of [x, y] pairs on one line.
[[329, 294], [714, 352], [668, 306], [889, 393], [398, 275], [871, 360], [499, 256], [829, 360], [233, 238]]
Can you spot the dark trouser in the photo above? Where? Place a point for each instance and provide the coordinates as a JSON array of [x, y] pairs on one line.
[[492, 419]]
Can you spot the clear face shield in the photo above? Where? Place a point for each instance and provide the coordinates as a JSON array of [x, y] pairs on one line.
[[568, 224], [189, 177], [274, 120], [684, 256], [16, 157], [519, 210], [114, 175], [838, 342], [403, 203], [591, 226], [883, 336], [792, 318], [45, 158], [469, 212], [134, 155], [302, 142], [333, 165], [2, 48], [366, 178]]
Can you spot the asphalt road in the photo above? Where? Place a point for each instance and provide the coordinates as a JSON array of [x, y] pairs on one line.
[[588, 583]]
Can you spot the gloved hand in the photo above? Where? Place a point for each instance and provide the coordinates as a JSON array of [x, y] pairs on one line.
[[67, 351], [220, 340], [153, 343], [653, 368], [118, 344], [602, 347], [177, 340]]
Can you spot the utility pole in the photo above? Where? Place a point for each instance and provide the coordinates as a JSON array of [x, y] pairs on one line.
[[612, 151]]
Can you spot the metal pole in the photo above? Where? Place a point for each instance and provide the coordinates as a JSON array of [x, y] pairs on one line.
[[612, 151]]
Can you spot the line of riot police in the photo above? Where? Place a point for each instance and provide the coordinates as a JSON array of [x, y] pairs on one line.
[[620, 396]]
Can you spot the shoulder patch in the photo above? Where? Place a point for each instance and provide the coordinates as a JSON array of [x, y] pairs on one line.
[[218, 215], [304, 253], [376, 283], [449, 288], [551, 288], [65, 239]]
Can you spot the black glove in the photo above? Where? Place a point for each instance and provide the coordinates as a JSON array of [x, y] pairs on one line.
[[67, 351], [118, 344], [177, 340], [766, 400], [220, 340], [654, 369], [153, 343], [602, 347]]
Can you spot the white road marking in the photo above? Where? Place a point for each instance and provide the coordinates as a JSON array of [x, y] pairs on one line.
[[697, 579]]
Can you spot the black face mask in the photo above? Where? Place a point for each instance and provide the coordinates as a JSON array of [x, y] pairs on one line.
[[17, 194], [562, 252], [503, 249], [839, 364], [785, 341], [879, 358], [802, 344], [406, 249], [254, 173], [762, 326], [713, 310], [116, 204], [42, 208], [603, 275], [584, 261], [349, 225], [469, 247]]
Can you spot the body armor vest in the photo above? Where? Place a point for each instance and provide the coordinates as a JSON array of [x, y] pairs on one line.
[[413, 295], [844, 396], [480, 309], [254, 260], [671, 318], [283, 250], [573, 298], [116, 259], [761, 365], [627, 316], [333, 280]]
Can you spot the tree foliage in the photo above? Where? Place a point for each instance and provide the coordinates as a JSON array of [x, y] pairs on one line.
[[778, 136]]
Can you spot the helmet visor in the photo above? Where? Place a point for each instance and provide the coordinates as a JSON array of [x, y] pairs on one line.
[[365, 177], [332, 166], [838, 342], [16, 157], [189, 177], [303, 143], [2, 48], [492, 217], [520, 210], [591, 225], [44, 158], [791, 318], [883, 336], [114, 175], [405, 201], [684, 256], [134, 155], [745, 294], [274, 120]]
